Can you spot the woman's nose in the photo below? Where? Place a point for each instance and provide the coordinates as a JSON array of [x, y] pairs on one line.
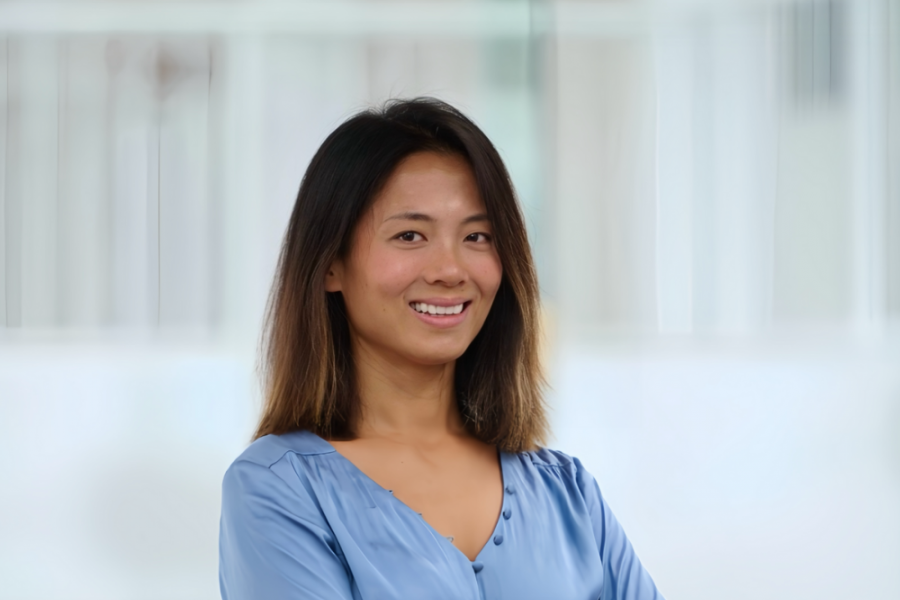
[[446, 267]]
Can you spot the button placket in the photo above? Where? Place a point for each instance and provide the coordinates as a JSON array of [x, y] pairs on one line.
[[510, 489]]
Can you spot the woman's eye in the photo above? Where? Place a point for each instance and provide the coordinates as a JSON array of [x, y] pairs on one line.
[[409, 236], [478, 237]]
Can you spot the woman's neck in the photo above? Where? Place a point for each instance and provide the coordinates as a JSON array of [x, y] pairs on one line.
[[405, 401]]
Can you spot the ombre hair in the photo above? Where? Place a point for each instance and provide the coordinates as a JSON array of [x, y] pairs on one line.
[[307, 365]]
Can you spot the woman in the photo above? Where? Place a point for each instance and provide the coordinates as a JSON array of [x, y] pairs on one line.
[[399, 451]]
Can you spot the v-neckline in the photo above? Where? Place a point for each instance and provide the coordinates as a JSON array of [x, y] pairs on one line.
[[503, 478]]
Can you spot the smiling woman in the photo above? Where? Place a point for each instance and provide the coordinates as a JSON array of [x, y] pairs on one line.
[[423, 271], [399, 451]]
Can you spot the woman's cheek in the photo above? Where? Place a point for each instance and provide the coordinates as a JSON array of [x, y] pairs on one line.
[[400, 272], [488, 274], [383, 271]]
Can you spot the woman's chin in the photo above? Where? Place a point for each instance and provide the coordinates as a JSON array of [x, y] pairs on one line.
[[432, 357]]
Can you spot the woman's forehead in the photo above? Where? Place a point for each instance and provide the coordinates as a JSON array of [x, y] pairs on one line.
[[430, 185]]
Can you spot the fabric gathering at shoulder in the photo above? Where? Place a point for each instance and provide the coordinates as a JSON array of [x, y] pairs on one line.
[[550, 458], [269, 449], [571, 467]]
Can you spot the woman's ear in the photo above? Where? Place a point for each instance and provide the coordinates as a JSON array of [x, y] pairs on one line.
[[334, 276]]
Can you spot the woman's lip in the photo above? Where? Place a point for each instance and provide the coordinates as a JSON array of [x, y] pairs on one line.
[[441, 301], [443, 321]]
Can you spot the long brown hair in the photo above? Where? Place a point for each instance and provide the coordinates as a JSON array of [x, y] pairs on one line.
[[307, 365]]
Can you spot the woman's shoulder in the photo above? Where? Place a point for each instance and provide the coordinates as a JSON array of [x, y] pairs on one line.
[[548, 457], [562, 466], [269, 449], [269, 466], [271, 474]]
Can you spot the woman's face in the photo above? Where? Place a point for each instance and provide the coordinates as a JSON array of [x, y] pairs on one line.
[[422, 271]]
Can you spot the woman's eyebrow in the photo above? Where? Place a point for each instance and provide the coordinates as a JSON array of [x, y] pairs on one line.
[[415, 216], [410, 216], [476, 218]]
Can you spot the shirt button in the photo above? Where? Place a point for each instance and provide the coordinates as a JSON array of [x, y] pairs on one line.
[[477, 567], [510, 489], [507, 514], [498, 539]]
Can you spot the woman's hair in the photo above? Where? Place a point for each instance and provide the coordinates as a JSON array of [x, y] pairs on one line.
[[307, 364]]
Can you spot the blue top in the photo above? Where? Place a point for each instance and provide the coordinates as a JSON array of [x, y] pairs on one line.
[[301, 521]]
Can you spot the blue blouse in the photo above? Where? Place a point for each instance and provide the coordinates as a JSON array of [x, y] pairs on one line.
[[301, 521]]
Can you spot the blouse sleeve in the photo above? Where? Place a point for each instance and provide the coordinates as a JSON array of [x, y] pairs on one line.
[[624, 577], [273, 543]]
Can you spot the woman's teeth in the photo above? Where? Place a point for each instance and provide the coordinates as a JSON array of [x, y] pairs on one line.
[[437, 310]]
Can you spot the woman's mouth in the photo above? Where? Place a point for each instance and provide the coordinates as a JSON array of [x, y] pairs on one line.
[[441, 316], [431, 309]]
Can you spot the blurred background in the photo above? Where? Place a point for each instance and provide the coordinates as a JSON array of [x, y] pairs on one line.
[[713, 195]]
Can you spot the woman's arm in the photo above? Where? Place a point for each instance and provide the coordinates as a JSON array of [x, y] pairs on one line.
[[624, 577], [273, 543]]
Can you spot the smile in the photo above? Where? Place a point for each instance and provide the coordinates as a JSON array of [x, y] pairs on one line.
[[431, 309]]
